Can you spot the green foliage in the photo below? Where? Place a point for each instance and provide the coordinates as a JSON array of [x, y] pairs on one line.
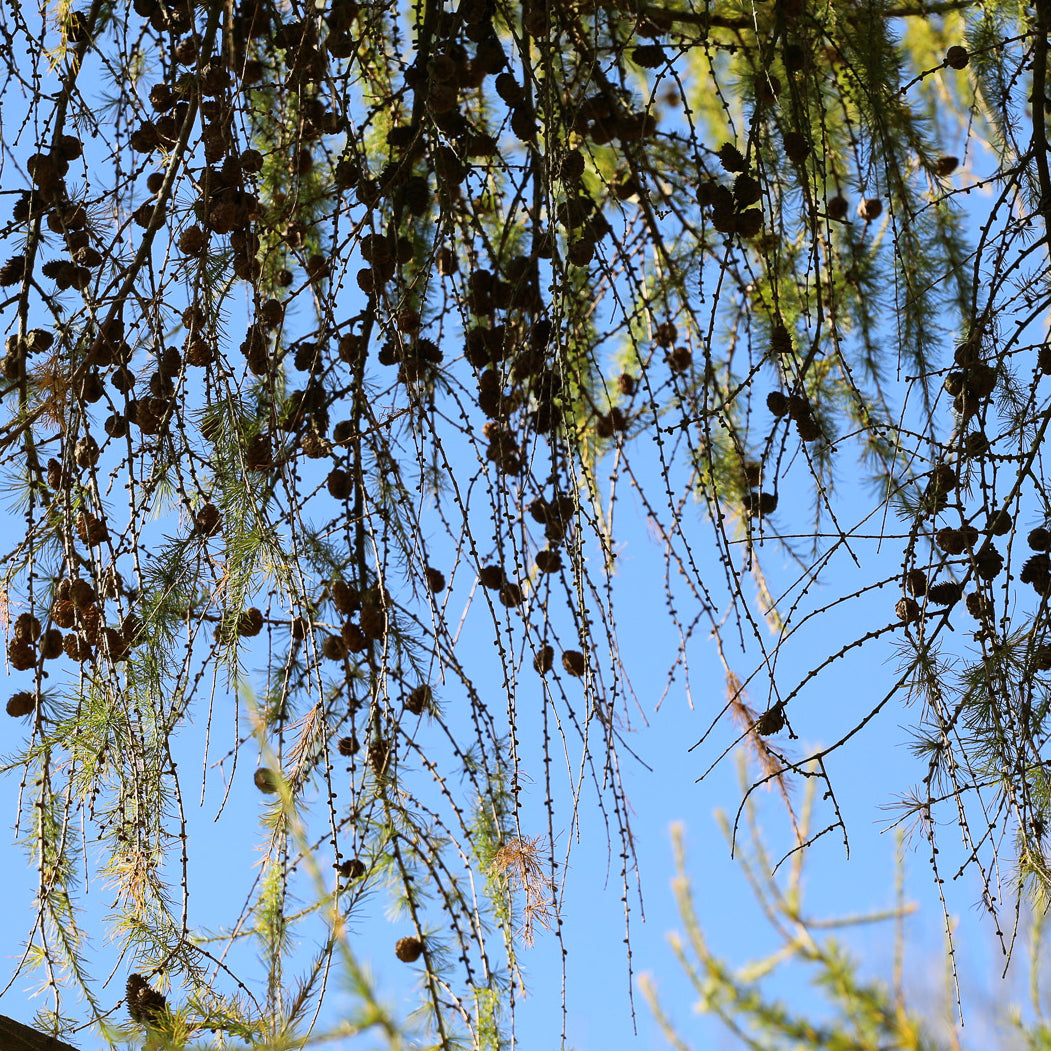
[[854, 1009]]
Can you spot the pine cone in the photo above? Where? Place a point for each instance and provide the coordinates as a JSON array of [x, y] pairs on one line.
[[13, 270], [731, 158], [208, 520], [916, 582], [574, 663], [20, 654], [491, 577], [544, 659], [408, 950], [250, 623], [947, 593], [418, 700], [21, 703], [1037, 571], [771, 721], [145, 1005], [353, 868]]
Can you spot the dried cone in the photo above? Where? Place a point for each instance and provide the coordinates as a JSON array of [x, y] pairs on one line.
[[679, 359], [86, 452], [334, 648], [91, 530], [21, 703], [511, 595], [731, 158], [76, 648], [408, 950], [21, 655], [808, 429], [144, 1003], [836, 208], [54, 474], [200, 353], [665, 334], [870, 208], [90, 623], [771, 721], [574, 662], [1037, 572], [1039, 539], [81, 593], [352, 868], [373, 622], [777, 403], [749, 224], [946, 593], [348, 745], [908, 610], [572, 166], [916, 582], [115, 645], [649, 56], [988, 563], [747, 190], [207, 520], [379, 756], [544, 659], [976, 443], [27, 627], [780, 340], [797, 146], [191, 240], [418, 700], [951, 541], [943, 480], [353, 637], [491, 577], [250, 623], [345, 597], [51, 643], [957, 57], [13, 270], [548, 561]]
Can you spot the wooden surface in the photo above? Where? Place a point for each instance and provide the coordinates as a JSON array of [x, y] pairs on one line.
[[17, 1037]]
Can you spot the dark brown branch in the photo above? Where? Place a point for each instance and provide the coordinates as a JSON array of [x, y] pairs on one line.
[[705, 18], [14, 1036], [1039, 112]]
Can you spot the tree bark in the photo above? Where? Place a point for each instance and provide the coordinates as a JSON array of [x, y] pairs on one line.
[[14, 1036]]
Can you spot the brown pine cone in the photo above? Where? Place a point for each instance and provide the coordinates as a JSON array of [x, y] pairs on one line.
[[145, 1004], [408, 950]]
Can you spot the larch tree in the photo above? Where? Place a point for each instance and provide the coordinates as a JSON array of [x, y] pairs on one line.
[[336, 332]]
